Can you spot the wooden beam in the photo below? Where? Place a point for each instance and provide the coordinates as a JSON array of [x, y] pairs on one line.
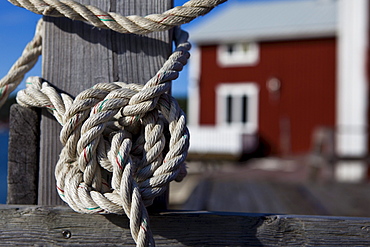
[[76, 56], [33, 225], [23, 158]]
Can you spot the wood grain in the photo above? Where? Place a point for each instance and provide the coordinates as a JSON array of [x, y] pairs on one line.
[[59, 226], [76, 56], [23, 159]]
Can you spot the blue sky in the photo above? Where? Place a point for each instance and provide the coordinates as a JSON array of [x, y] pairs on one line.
[[17, 27]]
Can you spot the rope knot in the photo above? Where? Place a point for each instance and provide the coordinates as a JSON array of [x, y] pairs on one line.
[[116, 158]]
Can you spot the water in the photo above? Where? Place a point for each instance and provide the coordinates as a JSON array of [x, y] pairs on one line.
[[4, 137]]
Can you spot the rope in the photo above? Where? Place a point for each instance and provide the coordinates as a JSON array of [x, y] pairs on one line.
[[26, 62], [118, 129], [122, 24], [114, 130], [99, 18]]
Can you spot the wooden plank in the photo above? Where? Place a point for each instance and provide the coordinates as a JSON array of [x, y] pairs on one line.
[[23, 155], [34, 225], [76, 56]]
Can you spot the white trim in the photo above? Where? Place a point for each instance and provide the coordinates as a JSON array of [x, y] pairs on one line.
[[215, 140], [352, 78], [193, 87], [280, 36], [242, 54], [251, 90]]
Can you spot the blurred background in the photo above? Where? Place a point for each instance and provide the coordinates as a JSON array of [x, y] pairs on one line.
[[276, 94]]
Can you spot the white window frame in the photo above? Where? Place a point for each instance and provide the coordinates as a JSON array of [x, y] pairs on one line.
[[237, 91], [239, 56]]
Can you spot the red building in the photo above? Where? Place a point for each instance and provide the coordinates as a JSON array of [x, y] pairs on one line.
[[275, 72]]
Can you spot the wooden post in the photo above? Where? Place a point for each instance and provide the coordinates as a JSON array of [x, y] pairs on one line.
[[23, 157], [76, 56]]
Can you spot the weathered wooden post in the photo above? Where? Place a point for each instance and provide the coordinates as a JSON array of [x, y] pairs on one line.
[[76, 56]]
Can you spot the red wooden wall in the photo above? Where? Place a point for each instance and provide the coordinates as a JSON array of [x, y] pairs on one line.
[[306, 69]]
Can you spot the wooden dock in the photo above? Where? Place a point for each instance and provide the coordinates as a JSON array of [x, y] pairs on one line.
[[284, 190]]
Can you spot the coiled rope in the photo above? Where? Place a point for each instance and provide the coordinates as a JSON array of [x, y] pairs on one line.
[[115, 129]]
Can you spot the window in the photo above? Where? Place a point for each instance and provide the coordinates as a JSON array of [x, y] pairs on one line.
[[238, 54], [237, 106]]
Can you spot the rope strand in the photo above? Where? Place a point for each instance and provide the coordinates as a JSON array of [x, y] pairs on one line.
[[122, 24], [24, 64]]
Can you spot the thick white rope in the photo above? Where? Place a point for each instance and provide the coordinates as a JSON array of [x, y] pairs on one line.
[[122, 24], [118, 128]]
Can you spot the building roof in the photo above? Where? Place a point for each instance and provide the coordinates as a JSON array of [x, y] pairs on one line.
[[271, 20]]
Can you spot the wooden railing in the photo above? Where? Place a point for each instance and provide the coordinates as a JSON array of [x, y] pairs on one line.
[[60, 226]]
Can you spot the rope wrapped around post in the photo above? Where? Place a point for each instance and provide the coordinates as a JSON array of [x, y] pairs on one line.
[[118, 128], [114, 158], [99, 18]]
